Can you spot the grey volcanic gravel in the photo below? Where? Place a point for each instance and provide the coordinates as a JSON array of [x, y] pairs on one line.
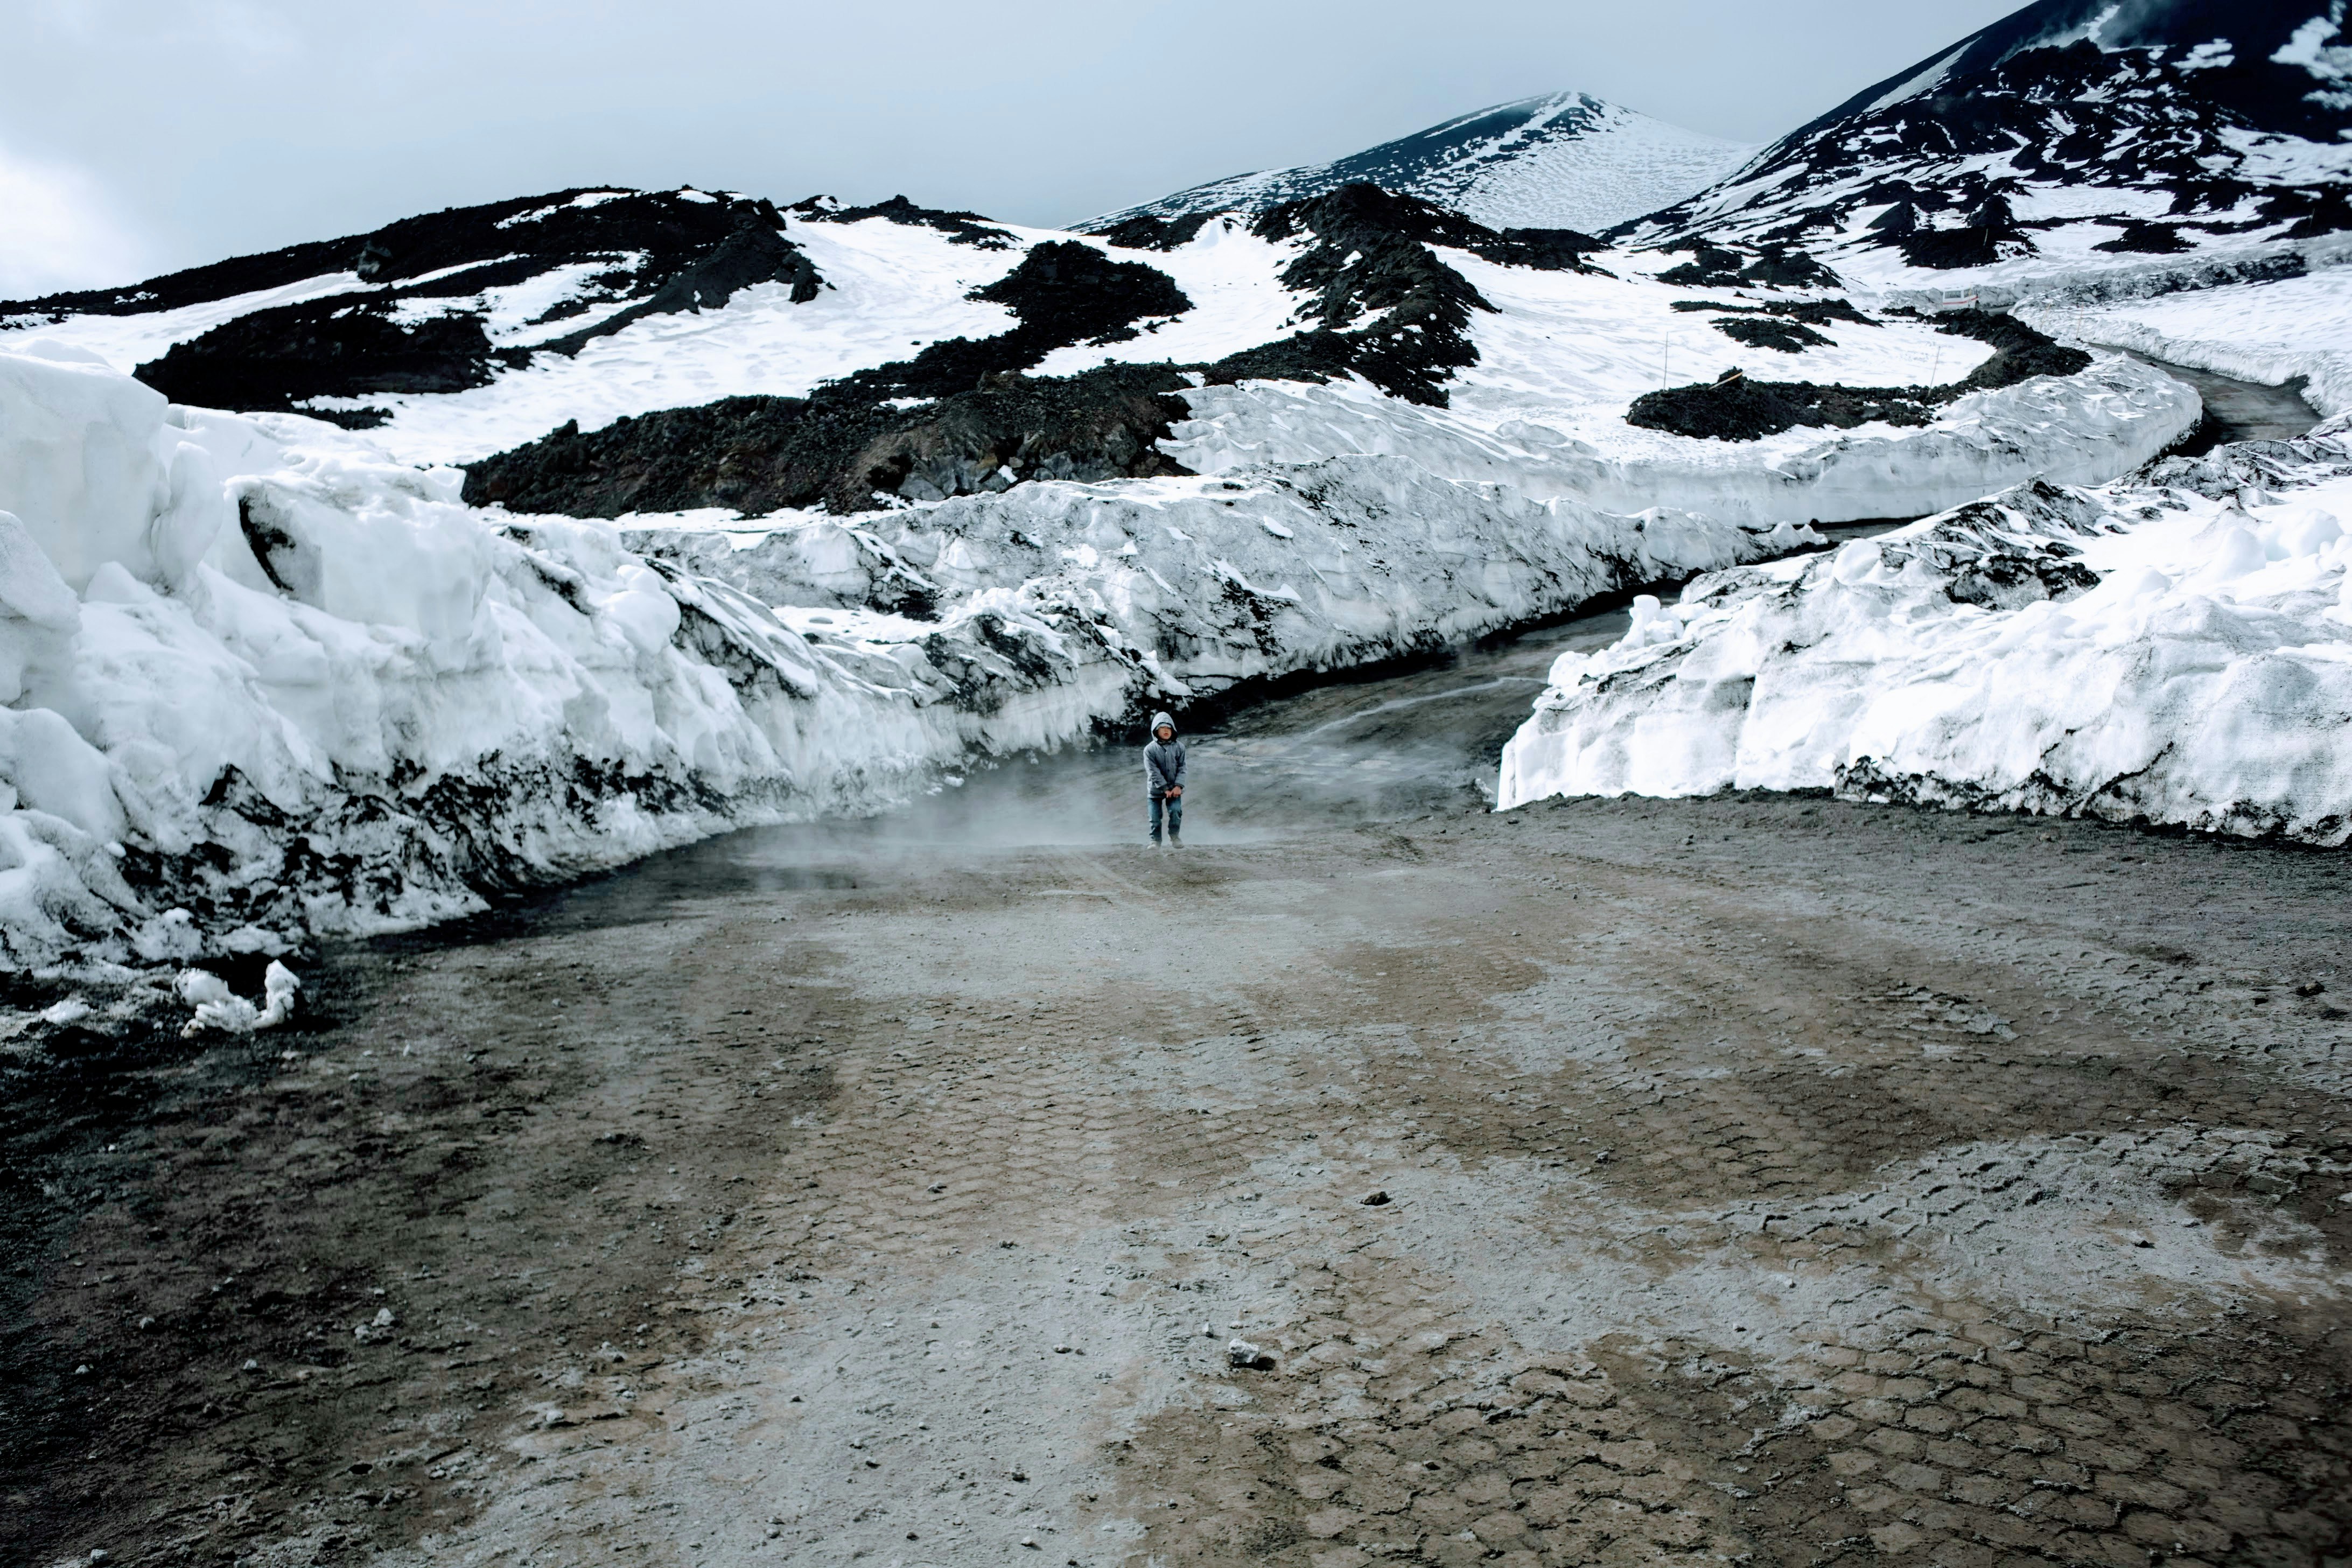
[[1771, 1179]]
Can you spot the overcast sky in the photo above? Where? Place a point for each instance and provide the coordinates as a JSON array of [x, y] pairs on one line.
[[140, 135]]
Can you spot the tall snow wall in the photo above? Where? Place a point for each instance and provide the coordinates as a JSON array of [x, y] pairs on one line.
[[264, 685]]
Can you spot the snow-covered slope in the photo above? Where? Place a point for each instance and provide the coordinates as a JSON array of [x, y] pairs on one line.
[[2070, 138], [2175, 650], [1564, 160], [898, 354]]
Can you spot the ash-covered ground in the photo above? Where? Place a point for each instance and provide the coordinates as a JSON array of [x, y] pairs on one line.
[[1753, 1179]]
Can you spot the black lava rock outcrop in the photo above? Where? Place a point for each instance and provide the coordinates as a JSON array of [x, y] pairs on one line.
[[1786, 325], [1737, 408], [1064, 294], [1989, 232], [1369, 254], [2018, 351], [1766, 332], [276, 358], [759, 454], [756, 252], [961, 227], [1812, 312], [1713, 266], [2153, 239], [1710, 266], [1145, 232], [983, 425], [424, 325]]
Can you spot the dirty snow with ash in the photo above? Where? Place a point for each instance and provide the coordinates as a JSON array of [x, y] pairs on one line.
[[2176, 649]]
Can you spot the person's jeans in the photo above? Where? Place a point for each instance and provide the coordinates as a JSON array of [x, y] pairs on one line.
[[1175, 805]]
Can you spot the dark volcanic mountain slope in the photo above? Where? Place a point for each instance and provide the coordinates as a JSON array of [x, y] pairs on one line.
[[434, 303], [1383, 305], [2184, 122], [983, 424]]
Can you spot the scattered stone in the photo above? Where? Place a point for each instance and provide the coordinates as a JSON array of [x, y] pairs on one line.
[[146, 1324], [1375, 1200]]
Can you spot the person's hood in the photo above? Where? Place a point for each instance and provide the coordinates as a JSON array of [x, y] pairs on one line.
[[1157, 720]]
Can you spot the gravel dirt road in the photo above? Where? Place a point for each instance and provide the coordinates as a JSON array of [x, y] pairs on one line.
[[1759, 1180]]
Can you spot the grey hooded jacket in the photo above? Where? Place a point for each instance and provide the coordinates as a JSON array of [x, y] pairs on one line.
[[1163, 760]]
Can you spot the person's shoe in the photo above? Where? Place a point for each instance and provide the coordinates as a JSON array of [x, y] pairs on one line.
[[1175, 841]]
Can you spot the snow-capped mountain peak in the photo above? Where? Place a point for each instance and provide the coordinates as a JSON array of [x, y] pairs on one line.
[[1562, 160], [2070, 129]]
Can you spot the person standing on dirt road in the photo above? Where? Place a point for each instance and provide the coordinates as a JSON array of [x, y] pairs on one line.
[[1163, 775]]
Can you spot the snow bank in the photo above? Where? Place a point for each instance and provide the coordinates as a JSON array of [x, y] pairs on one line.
[[264, 683], [2079, 429], [2268, 333], [1205, 582], [2177, 649]]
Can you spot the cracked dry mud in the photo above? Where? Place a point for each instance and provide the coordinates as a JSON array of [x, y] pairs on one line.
[[1769, 1179]]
